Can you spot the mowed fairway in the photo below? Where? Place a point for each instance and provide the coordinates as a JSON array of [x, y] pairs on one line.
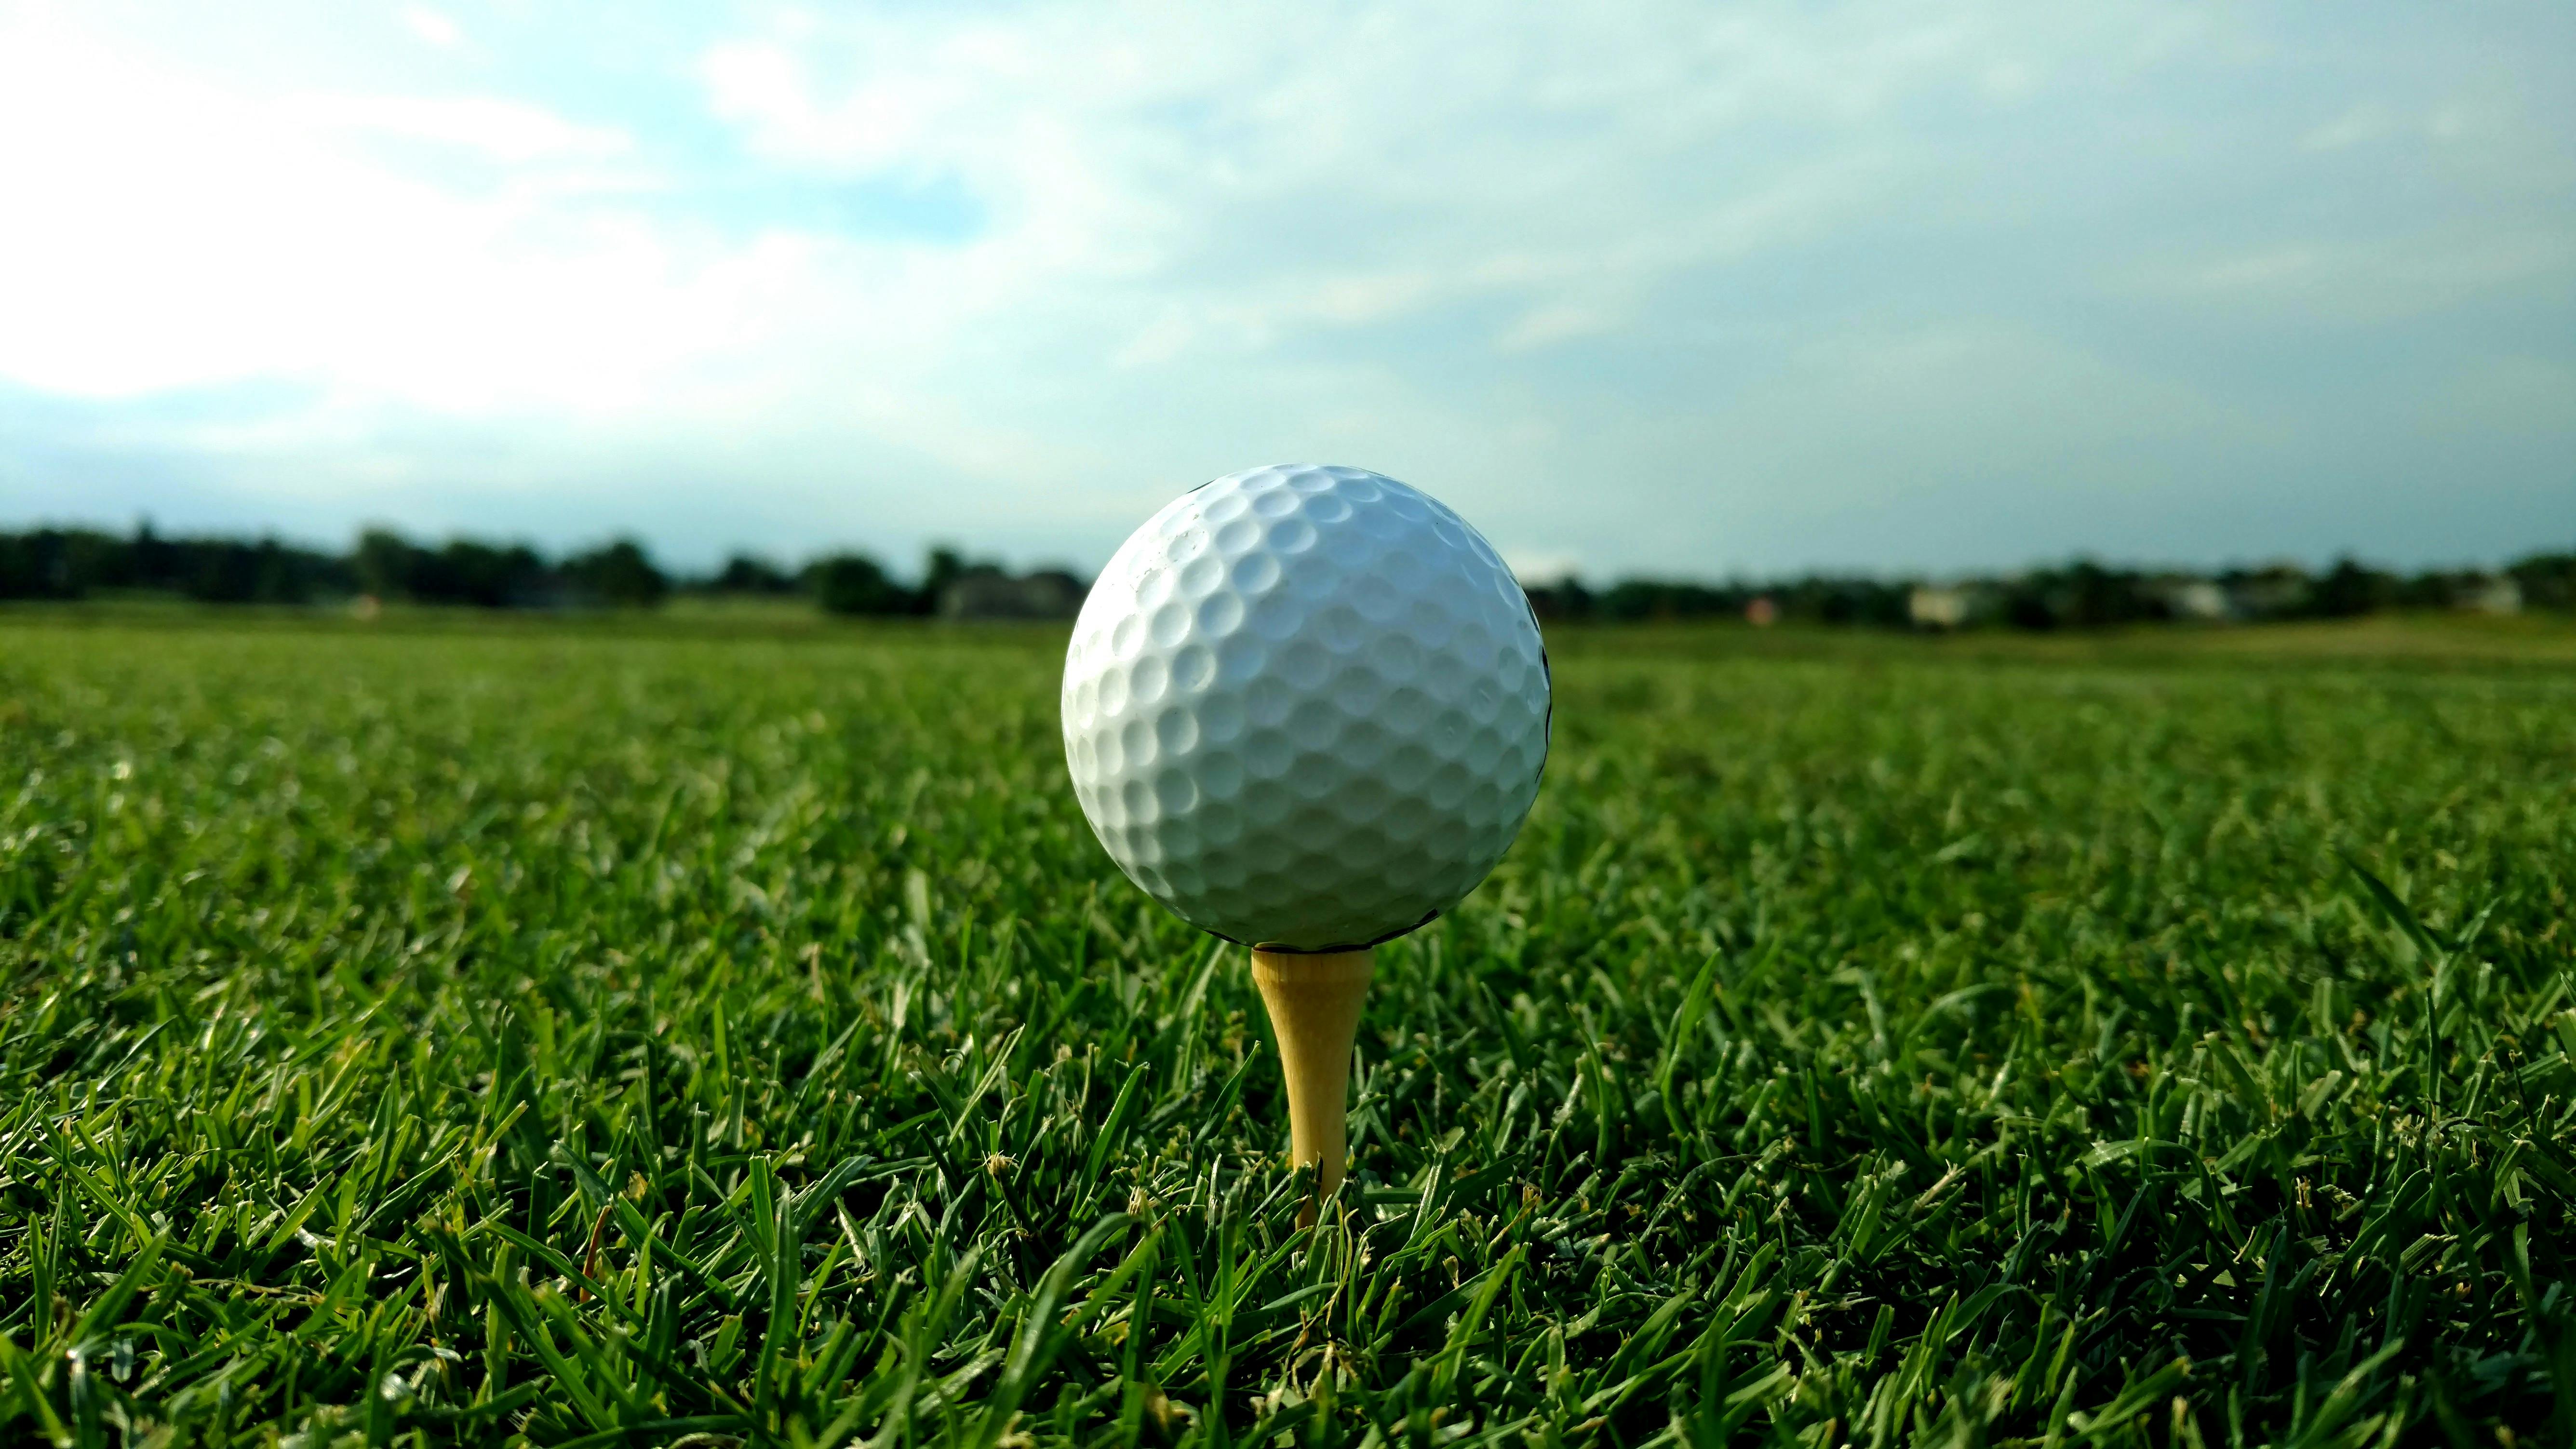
[[633, 1037]]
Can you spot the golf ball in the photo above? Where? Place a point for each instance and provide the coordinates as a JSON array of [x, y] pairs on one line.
[[1306, 707]]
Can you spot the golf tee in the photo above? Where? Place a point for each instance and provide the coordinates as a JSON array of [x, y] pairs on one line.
[[1314, 1002]]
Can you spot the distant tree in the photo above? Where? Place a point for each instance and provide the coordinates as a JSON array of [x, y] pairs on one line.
[[989, 591], [855, 584], [152, 562], [1628, 601], [225, 571], [2349, 589], [748, 574], [460, 571], [72, 563], [1633, 599], [2087, 596], [2430, 589], [1565, 600], [1840, 599], [944, 568], [620, 574], [385, 563], [2547, 581], [39, 565], [485, 575], [2028, 604], [218, 571]]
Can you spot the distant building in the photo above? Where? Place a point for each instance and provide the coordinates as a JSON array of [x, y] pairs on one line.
[[1937, 608], [2494, 594], [989, 593], [2274, 591], [2197, 599]]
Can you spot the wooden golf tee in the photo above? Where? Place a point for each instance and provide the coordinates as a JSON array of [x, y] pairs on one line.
[[1314, 1001]]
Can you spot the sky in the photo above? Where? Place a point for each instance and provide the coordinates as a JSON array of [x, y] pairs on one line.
[[1681, 288]]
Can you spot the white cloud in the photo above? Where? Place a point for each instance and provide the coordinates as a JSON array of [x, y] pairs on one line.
[[1160, 182], [434, 26], [507, 131], [2380, 278], [1556, 322], [175, 234], [1174, 187]]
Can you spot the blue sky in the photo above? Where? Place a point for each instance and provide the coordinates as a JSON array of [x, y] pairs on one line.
[[1673, 287]]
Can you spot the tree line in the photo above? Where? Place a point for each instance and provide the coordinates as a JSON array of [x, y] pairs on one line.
[[78, 563], [82, 563], [2083, 594]]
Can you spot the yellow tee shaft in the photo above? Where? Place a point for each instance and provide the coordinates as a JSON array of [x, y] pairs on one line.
[[1314, 1002]]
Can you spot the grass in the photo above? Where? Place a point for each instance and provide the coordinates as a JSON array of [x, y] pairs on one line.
[[612, 1038]]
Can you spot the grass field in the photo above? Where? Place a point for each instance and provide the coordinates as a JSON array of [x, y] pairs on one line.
[[615, 1036]]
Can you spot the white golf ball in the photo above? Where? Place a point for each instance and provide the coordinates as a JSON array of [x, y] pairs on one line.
[[1306, 707]]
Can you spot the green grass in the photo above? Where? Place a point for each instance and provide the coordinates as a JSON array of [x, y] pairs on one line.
[[615, 1038]]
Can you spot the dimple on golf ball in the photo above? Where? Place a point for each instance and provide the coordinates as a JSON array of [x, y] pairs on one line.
[[1306, 707]]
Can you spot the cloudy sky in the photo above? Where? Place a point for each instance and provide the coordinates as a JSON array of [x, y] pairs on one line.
[[1683, 287]]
